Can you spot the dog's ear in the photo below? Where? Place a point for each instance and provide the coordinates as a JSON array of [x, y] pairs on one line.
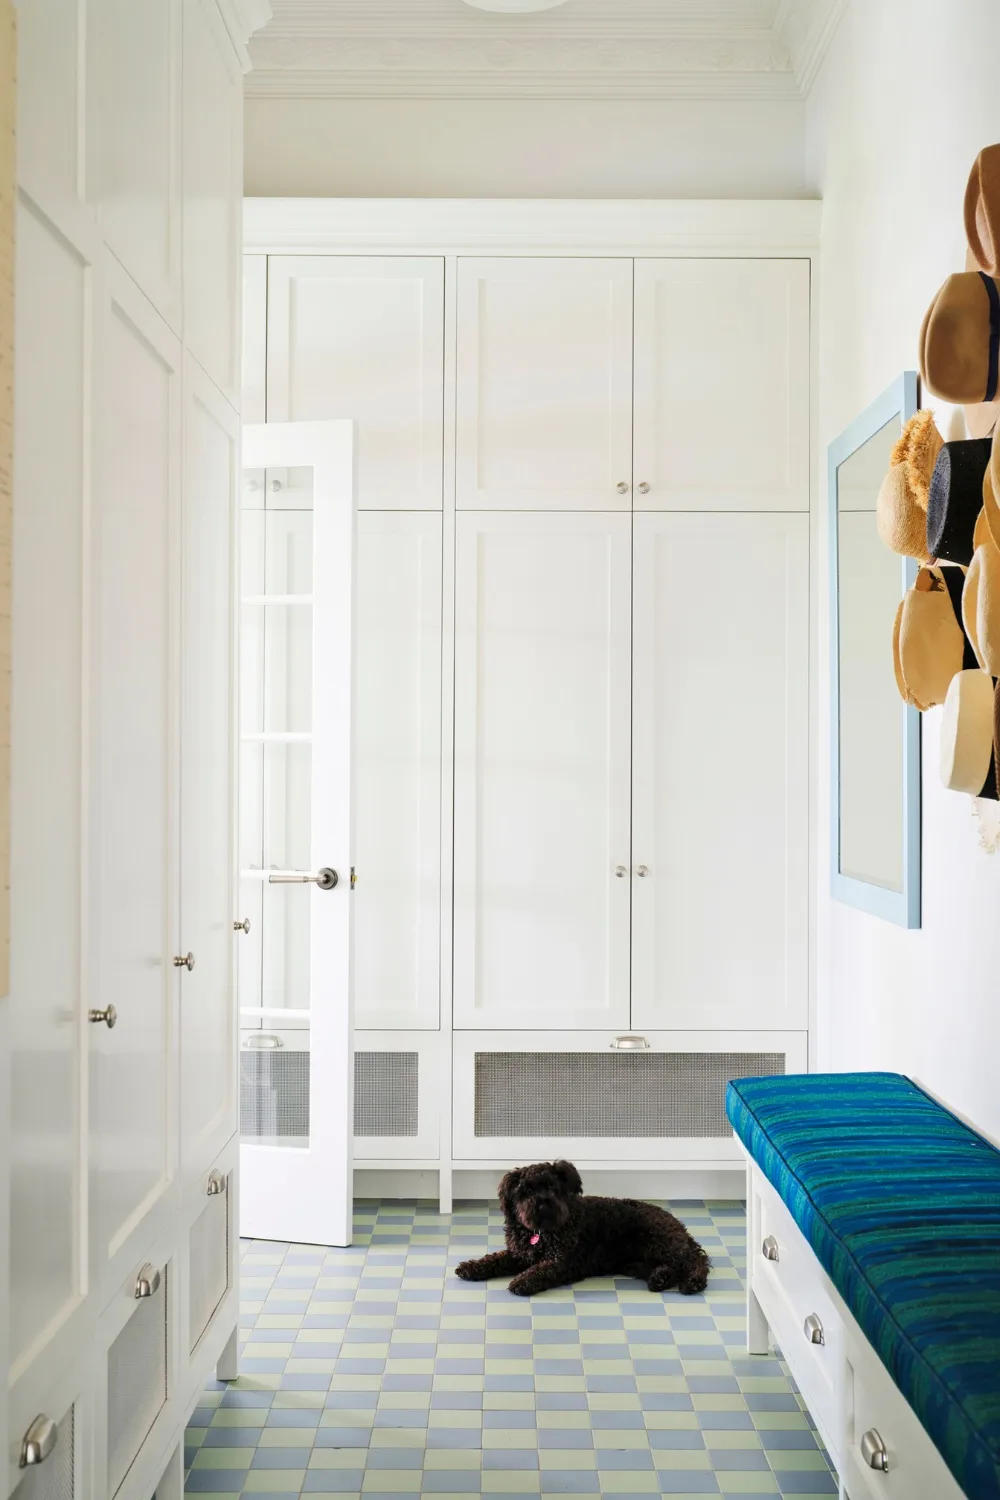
[[569, 1175], [508, 1186]]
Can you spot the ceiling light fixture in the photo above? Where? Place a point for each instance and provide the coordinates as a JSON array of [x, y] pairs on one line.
[[514, 7]]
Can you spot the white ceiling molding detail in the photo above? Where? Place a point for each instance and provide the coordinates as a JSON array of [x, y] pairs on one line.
[[243, 18], [636, 49]]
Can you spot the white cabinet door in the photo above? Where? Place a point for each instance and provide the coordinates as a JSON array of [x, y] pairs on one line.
[[212, 121], [208, 1006], [133, 808], [398, 898], [134, 147], [720, 772], [363, 337], [722, 384], [49, 1038], [542, 771], [544, 384]]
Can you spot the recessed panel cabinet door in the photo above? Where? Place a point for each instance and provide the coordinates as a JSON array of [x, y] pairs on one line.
[[542, 771], [397, 904], [720, 872], [722, 385], [133, 752], [208, 1004], [363, 337], [544, 384]]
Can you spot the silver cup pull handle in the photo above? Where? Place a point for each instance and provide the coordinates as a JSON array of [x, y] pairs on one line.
[[873, 1451], [38, 1442], [813, 1330], [630, 1044], [769, 1249], [325, 878], [217, 1183], [147, 1283]]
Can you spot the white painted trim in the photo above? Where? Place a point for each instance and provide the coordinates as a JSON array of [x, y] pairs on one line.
[[690, 1180], [242, 18], [513, 226]]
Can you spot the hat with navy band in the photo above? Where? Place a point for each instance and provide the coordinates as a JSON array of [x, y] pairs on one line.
[[960, 339]]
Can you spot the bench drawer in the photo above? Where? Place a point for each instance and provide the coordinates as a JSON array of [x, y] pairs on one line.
[[881, 1427]]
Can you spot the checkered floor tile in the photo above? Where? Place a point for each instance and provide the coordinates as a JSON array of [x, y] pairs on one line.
[[374, 1372]]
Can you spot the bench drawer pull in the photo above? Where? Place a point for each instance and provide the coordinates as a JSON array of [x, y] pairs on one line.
[[873, 1451], [769, 1249], [813, 1330]]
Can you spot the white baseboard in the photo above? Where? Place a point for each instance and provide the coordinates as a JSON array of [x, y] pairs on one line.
[[400, 1182]]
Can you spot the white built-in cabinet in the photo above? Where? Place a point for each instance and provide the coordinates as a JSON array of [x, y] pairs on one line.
[[123, 1151], [583, 646]]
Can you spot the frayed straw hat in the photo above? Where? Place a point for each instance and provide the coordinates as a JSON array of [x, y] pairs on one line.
[[967, 759], [929, 645], [960, 340], [956, 498], [982, 210], [901, 511]]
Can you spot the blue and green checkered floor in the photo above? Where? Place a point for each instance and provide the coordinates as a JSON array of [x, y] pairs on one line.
[[375, 1372]]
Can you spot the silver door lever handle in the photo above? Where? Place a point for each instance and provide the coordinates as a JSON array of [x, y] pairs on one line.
[[325, 878]]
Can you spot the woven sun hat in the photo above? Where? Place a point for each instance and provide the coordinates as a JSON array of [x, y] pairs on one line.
[[960, 339], [991, 488], [967, 763], [982, 210], [981, 606], [900, 513], [956, 498], [929, 643]]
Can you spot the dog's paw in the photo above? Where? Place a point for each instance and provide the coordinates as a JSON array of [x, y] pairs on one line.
[[468, 1270], [521, 1287]]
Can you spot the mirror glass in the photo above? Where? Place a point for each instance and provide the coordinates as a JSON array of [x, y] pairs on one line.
[[875, 737]]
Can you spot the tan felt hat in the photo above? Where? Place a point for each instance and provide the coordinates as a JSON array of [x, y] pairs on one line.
[[900, 513], [981, 607], [960, 339], [982, 210], [996, 731], [980, 416], [929, 644], [967, 763]]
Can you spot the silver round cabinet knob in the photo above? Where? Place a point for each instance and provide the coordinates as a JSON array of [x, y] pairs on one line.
[[621, 871], [243, 926], [622, 487], [275, 486], [108, 1015], [644, 488], [184, 961], [642, 871]]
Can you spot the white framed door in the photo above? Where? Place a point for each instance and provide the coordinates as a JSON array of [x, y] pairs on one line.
[[722, 384], [364, 334], [542, 753], [544, 384], [297, 832], [720, 703]]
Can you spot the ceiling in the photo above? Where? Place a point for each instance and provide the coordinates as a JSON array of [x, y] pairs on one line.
[[646, 49]]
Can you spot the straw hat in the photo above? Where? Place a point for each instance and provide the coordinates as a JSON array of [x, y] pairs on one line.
[[982, 210], [900, 513], [981, 606], [929, 644], [967, 763], [956, 498], [960, 339]]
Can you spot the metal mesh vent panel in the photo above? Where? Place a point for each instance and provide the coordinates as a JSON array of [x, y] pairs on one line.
[[137, 1382], [610, 1093], [209, 1263], [385, 1093], [52, 1480], [274, 1093]]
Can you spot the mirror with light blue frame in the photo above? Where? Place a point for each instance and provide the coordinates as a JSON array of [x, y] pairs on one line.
[[875, 750]]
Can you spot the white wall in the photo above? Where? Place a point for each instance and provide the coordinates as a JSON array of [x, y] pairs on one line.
[[905, 99], [510, 148]]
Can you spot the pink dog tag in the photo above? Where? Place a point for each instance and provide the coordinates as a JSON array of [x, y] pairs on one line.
[[535, 1238]]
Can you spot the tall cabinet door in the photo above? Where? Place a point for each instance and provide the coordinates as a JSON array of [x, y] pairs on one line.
[[133, 755], [397, 904], [544, 384], [542, 771], [720, 772], [207, 1005], [722, 385], [363, 337]]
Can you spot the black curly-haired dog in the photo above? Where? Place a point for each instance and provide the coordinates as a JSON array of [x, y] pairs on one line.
[[556, 1236]]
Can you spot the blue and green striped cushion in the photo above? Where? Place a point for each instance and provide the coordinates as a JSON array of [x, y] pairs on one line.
[[901, 1203]]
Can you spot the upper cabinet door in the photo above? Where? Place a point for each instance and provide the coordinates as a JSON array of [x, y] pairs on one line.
[[720, 889], [134, 152], [722, 384], [542, 732], [544, 384], [212, 121], [363, 337]]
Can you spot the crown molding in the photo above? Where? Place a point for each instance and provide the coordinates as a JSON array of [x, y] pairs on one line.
[[806, 28], [243, 18]]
